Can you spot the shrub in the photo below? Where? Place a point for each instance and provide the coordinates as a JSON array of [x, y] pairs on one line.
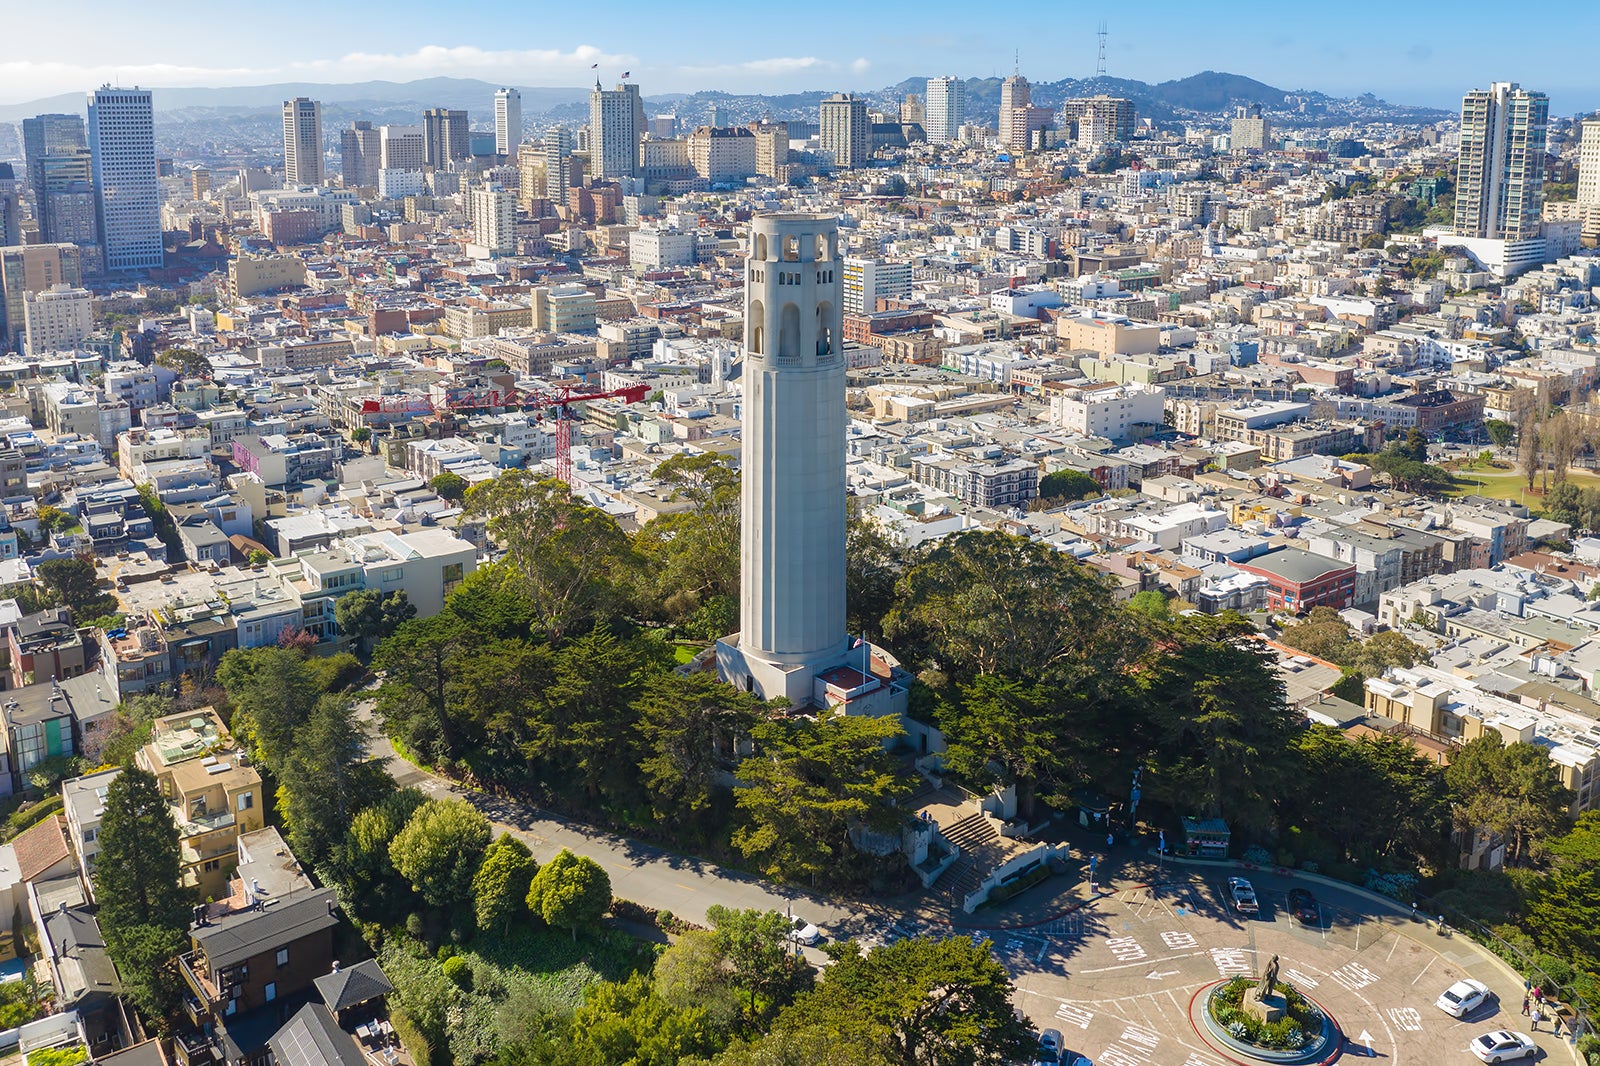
[[70, 1055], [1258, 855], [458, 970]]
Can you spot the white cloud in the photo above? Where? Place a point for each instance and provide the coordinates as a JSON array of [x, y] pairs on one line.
[[774, 65], [861, 65]]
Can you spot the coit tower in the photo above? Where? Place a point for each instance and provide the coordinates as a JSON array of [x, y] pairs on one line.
[[792, 609]]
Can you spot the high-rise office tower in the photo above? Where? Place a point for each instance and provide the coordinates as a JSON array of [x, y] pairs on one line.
[[557, 156], [494, 219], [48, 135], [947, 108], [444, 137], [772, 148], [792, 502], [914, 112], [1016, 96], [66, 208], [128, 198], [401, 148], [1500, 174], [718, 116], [302, 142], [843, 131], [360, 154], [507, 121], [10, 207], [616, 125], [1589, 164]]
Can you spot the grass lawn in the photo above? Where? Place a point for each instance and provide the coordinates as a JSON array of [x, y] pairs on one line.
[[1509, 484]]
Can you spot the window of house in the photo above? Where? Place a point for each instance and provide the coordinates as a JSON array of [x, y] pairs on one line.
[[283, 956], [271, 991], [247, 800]]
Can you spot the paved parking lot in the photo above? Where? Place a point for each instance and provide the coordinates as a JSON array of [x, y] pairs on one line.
[[1119, 976]]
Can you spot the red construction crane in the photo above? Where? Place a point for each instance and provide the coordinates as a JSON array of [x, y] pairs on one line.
[[559, 401]]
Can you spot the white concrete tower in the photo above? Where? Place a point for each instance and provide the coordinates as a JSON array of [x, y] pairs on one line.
[[792, 608]]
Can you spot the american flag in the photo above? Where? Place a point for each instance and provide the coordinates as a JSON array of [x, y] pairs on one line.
[[594, 66], [627, 74]]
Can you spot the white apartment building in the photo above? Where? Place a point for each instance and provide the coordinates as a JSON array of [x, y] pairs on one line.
[[660, 248], [401, 148], [866, 280], [72, 409], [1589, 164], [507, 121], [1500, 175], [1104, 409], [56, 320], [394, 183], [494, 220], [946, 109]]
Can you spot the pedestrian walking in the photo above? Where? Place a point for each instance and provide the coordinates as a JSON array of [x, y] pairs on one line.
[[1555, 1024], [1524, 1006], [1534, 1018], [1111, 840], [1538, 993]]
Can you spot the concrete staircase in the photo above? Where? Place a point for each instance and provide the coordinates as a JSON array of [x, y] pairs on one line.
[[972, 832], [974, 835]]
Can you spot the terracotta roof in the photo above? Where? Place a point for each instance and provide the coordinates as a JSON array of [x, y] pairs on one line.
[[41, 847]]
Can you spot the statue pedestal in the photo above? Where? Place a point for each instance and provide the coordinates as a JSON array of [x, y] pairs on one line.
[[1266, 1008]]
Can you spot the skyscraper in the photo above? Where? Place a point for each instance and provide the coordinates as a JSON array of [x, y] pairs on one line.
[[128, 198], [616, 125], [1113, 114], [843, 131], [557, 153], [444, 137], [360, 154], [48, 135], [302, 142], [792, 563], [507, 121], [1589, 164], [400, 148], [10, 207], [947, 108], [1500, 175]]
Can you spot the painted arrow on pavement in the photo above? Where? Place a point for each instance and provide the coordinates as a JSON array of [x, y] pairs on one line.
[[1156, 975]]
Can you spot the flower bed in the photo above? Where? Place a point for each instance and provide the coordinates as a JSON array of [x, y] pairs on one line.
[[1301, 1024]]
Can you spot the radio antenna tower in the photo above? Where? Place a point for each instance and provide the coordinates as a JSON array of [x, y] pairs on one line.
[[1100, 67]]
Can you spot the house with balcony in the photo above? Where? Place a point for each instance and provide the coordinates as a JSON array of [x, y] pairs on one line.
[[254, 957], [212, 791], [46, 646]]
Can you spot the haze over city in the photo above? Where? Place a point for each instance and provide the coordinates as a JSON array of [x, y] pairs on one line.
[[1407, 53]]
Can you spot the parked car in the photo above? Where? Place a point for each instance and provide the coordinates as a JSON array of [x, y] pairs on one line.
[[1303, 905], [803, 932], [1503, 1044], [1244, 896], [1463, 997], [1049, 1048]]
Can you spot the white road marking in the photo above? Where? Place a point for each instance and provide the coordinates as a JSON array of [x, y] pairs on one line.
[[1126, 949], [1177, 940], [1075, 1015], [1231, 962], [1425, 969], [1354, 976], [1407, 1018]]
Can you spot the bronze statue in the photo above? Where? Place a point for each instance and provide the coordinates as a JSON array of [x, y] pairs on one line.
[[1268, 979]]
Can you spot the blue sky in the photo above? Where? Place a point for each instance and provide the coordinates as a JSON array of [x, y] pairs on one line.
[[1426, 52]]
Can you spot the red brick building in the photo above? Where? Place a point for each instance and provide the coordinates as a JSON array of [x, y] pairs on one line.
[[1298, 580]]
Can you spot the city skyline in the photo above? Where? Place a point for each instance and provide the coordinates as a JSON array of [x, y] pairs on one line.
[[1419, 59]]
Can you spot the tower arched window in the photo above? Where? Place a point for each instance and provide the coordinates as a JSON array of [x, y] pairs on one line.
[[824, 328], [791, 249], [761, 246], [758, 320], [789, 332]]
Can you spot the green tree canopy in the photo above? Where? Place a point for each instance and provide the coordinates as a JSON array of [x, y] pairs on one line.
[[440, 849], [1067, 485], [688, 729], [1511, 789], [756, 945], [570, 891], [325, 779], [873, 564], [927, 1003], [274, 691], [809, 784], [575, 560], [144, 910], [369, 615], [449, 485], [72, 583], [500, 887]]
